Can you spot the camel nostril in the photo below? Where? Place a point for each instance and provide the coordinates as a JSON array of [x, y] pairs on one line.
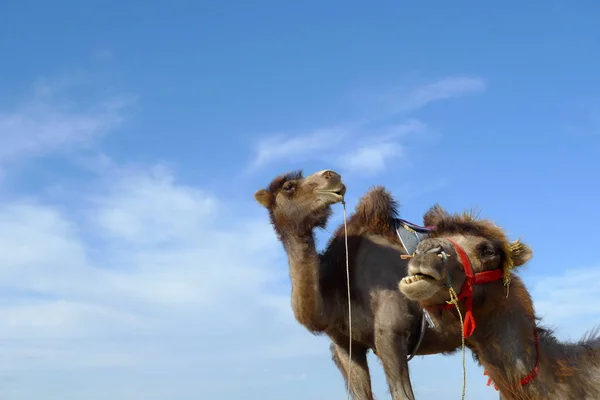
[[329, 174]]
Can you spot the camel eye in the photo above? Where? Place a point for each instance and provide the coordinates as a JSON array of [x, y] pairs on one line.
[[288, 187], [489, 252]]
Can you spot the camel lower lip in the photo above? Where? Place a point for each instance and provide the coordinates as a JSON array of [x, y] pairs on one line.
[[338, 193]]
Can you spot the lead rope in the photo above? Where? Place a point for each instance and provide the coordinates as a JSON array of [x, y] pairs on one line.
[[349, 302], [454, 300]]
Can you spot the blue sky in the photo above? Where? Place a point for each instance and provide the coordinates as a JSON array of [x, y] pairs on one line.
[[134, 261]]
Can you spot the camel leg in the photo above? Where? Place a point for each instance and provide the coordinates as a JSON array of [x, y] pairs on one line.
[[360, 380], [392, 350]]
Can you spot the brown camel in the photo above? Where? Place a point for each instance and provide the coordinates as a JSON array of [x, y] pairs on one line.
[[523, 359], [382, 318]]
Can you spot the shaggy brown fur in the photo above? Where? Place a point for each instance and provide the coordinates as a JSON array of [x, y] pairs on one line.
[[465, 223], [503, 342], [382, 319]]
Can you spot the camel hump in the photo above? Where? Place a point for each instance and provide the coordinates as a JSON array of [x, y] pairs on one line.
[[377, 210]]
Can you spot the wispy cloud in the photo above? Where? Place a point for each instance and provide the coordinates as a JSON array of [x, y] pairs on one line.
[[443, 89], [355, 148], [369, 143], [290, 146], [151, 261], [45, 124], [569, 301], [134, 210], [371, 158]]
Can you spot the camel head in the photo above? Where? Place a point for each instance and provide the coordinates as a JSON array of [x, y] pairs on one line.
[[296, 202], [438, 263]]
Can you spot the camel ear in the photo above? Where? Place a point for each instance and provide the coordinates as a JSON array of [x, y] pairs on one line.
[[264, 198], [435, 215], [520, 252]]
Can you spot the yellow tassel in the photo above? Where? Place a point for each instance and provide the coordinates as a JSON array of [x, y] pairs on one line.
[[512, 251]]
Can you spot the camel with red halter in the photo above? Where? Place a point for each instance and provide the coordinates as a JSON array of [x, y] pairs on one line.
[[523, 359]]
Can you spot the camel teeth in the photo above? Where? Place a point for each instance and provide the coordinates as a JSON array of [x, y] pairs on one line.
[[412, 278]]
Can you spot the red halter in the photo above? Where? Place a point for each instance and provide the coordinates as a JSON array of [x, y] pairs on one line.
[[466, 291]]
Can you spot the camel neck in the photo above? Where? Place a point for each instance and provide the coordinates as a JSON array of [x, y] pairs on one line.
[[565, 371], [304, 263]]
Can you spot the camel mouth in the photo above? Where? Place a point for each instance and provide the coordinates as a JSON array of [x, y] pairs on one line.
[[420, 286], [422, 275], [338, 192]]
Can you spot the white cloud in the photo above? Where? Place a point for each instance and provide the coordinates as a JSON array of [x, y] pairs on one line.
[[371, 159], [355, 147], [83, 296], [444, 89], [36, 243], [569, 302], [45, 123], [150, 209], [399, 131], [294, 147], [365, 144], [60, 319]]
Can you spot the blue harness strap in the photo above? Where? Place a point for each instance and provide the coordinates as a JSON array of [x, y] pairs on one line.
[[411, 235]]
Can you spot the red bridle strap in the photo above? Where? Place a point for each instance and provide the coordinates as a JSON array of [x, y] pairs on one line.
[[466, 292]]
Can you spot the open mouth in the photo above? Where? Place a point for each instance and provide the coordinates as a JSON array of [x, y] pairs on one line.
[[339, 192], [418, 277]]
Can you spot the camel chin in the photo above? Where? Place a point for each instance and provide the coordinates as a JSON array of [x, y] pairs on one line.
[[420, 287]]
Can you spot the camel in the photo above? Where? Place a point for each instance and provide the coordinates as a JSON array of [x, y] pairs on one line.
[[522, 358], [383, 320]]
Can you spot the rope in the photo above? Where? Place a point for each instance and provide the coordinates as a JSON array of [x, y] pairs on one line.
[[454, 300], [349, 302]]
